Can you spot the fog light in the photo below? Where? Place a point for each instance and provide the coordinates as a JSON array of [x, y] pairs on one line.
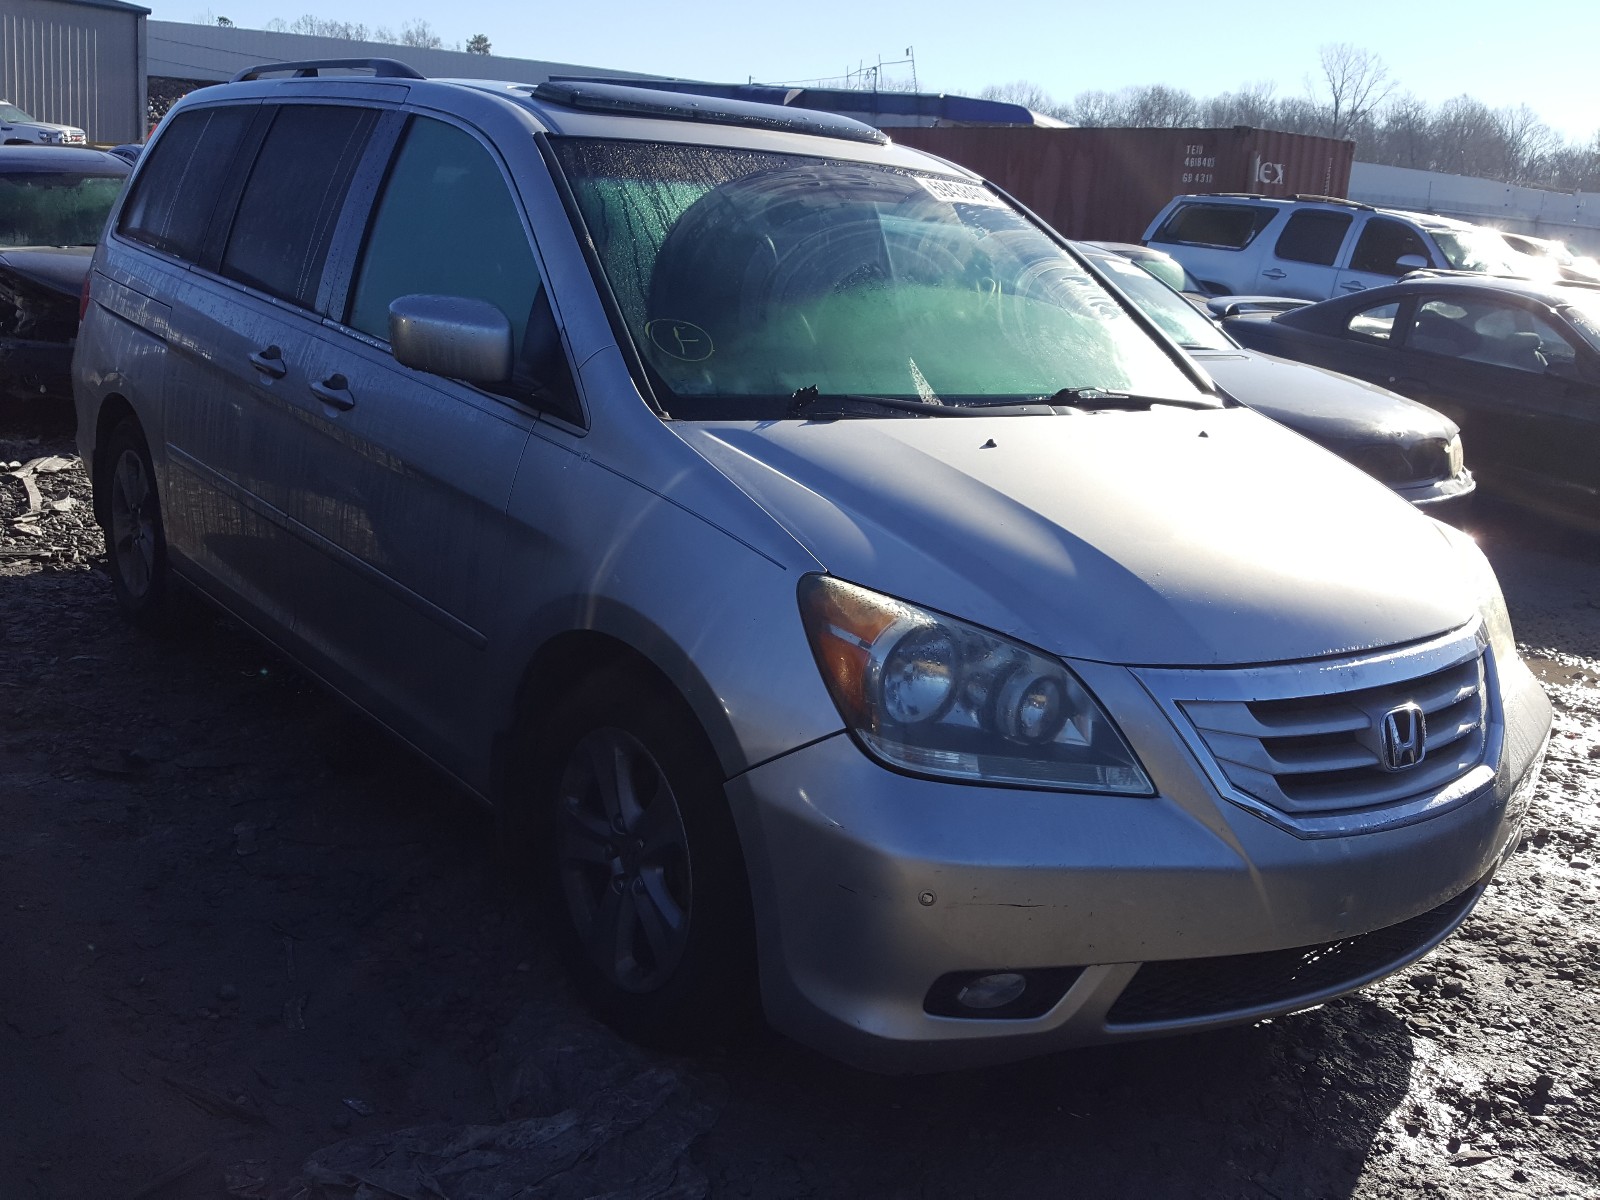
[[992, 991]]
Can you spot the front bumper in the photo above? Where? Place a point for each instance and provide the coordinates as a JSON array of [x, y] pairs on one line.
[[1446, 499], [870, 886], [35, 370]]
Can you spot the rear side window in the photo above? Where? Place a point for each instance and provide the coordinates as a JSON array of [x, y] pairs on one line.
[[1313, 236], [446, 225], [175, 192], [291, 202], [1375, 323], [1383, 243], [1230, 226]]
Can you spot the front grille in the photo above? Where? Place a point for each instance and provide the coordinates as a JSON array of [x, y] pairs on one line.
[[1195, 988], [1397, 465], [1305, 755]]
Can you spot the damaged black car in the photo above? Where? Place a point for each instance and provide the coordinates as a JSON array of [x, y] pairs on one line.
[[53, 205]]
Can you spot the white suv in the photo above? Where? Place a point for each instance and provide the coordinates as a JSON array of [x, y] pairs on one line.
[[1314, 247], [17, 128]]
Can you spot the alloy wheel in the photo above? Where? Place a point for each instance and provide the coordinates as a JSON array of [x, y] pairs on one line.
[[623, 857], [134, 524]]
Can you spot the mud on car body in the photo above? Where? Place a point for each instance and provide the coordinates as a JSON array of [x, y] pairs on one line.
[[831, 583]]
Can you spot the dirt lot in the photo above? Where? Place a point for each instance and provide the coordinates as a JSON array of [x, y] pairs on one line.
[[249, 947]]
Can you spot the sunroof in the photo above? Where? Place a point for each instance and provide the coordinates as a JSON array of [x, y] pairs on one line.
[[680, 106]]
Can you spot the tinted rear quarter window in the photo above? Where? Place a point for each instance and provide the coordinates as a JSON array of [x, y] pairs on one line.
[[175, 193], [292, 199], [1230, 226], [1375, 323], [1313, 236]]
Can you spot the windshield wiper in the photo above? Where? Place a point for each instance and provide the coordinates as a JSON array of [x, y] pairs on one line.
[[1093, 399], [807, 401]]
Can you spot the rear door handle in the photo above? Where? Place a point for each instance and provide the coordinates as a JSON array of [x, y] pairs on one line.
[[1273, 274], [334, 390], [270, 362]]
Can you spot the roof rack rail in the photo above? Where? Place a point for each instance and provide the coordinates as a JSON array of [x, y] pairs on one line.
[[1343, 200], [626, 100], [381, 68]]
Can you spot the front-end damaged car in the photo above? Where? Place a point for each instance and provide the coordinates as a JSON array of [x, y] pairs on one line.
[[53, 205]]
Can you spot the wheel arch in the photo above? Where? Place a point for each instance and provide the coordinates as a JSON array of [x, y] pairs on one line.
[[610, 641]]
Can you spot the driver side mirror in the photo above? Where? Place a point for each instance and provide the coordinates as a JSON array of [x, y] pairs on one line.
[[1411, 262], [452, 336]]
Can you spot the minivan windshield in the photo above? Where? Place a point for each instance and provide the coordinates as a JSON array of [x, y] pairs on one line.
[[748, 278]]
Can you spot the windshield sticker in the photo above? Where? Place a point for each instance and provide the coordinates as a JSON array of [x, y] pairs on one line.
[[955, 191], [683, 340]]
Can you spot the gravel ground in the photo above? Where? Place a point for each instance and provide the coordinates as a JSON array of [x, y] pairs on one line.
[[253, 948]]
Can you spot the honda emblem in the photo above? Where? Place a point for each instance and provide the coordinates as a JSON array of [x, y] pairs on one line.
[[1404, 738]]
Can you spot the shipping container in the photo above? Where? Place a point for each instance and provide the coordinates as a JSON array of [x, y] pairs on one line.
[[1107, 184]]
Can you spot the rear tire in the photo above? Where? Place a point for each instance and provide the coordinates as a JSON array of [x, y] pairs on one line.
[[643, 873], [136, 541]]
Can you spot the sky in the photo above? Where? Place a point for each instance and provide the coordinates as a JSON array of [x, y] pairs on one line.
[[1432, 50]]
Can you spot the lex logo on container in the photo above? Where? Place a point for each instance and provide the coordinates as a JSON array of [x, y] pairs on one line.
[[1268, 172]]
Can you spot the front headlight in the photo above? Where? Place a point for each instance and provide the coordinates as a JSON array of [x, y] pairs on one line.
[[1454, 457], [1486, 589], [51, 136], [936, 696]]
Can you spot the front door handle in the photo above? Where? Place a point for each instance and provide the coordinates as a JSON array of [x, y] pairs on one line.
[[334, 390], [1353, 286], [1273, 274], [270, 362]]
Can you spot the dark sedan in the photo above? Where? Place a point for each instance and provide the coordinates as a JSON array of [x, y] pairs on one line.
[[1406, 445], [1515, 364], [53, 205]]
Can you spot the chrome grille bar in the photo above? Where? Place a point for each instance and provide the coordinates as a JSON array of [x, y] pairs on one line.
[[1301, 743]]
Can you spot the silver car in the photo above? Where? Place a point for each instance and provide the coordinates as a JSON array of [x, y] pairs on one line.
[[837, 591], [17, 128]]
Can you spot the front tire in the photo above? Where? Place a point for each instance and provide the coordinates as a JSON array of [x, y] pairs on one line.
[[644, 872]]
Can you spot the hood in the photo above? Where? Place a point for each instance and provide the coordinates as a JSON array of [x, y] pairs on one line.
[[59, 268], [1324, 405], [1170, 537]]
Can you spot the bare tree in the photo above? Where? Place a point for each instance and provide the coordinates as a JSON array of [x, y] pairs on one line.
[[1527, 144], [1353, 84], [1159, 105], [1029, 95], [1253, 105], [420, 34], [1092, 110], [314, 26], [1405, 137]]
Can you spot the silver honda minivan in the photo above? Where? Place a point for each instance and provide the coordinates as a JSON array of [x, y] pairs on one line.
[[840, 595]]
